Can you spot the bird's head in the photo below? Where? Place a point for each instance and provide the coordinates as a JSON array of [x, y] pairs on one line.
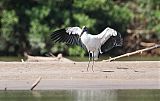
[[112, 32], [84, 29]]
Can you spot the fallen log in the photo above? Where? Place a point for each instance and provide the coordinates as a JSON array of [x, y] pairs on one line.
[[146, 44], [132, 53], [59, 58]]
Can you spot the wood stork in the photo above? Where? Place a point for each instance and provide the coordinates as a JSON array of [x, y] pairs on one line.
[[94, 44]]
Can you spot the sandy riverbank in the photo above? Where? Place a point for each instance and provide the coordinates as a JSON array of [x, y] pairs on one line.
[[15, 74]]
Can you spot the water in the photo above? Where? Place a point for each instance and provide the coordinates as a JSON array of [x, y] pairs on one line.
[[81, 95], [77, 58], [130, 58], [11, 58]]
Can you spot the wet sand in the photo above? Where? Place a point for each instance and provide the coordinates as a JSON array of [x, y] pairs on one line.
[[73, 75]]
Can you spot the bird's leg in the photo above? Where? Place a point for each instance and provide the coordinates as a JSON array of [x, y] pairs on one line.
[[89, 61], [92, 61]]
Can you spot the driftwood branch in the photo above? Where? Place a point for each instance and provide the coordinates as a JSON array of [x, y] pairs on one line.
[[35, 83], [140, 31], [132, 53]]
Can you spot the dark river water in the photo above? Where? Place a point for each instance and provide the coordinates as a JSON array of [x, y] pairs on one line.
[[82, 95], [78, 59]]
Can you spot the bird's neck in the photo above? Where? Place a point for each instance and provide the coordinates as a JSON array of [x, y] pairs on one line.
[[84, 34]]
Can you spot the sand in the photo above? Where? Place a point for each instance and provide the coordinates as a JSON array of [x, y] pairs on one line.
[[73, 75]]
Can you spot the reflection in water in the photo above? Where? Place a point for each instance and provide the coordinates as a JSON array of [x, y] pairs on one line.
[[81, 95], [95, 95]]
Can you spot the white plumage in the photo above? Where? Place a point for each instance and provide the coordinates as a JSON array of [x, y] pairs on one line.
[[94, 44]]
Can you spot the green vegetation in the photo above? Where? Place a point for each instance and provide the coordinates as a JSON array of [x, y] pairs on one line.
[[27, 24]]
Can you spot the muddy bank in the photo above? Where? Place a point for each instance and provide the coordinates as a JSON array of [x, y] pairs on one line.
[[129, 72]]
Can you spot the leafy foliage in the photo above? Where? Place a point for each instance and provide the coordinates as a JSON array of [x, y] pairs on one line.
[[26, 25], [38, 31], [76, 51], [8, 22], [9, 19]]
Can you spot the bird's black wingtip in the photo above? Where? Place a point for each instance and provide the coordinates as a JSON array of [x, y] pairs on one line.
[[119, 39], [57, 33]]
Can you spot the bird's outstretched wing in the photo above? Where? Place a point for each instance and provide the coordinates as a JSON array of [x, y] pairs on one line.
[[68, 35], [109, 39]]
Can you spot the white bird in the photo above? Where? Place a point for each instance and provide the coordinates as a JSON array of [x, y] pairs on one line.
[[94, 44]]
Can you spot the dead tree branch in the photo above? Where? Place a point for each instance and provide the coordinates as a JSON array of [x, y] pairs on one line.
[[35, 83], [132, 53]]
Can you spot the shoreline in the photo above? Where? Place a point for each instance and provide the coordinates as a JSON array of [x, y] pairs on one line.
[[79, 84], [73, 75]]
